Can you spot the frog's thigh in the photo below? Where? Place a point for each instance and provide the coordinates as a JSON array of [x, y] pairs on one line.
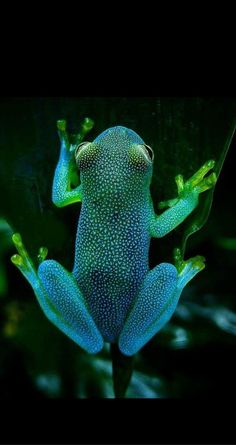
[[153, 307], [67, 308]]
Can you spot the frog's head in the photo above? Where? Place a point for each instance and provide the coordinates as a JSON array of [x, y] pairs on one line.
[[117, 161]]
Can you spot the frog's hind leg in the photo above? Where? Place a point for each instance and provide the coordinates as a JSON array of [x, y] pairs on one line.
[[152, 299], [59, 297], [156, 302]]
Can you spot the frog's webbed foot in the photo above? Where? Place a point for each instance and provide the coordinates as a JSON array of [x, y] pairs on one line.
[[198, 183], [71, 141], [23, 261], [187, 269], [59, 297], [86, 126]]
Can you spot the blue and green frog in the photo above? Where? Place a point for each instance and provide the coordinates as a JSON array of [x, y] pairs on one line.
[[111, 295]]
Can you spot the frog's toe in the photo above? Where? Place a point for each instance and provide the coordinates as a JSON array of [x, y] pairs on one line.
[[197, 178], [207, 183], [21, 259], [87, 124], [167, 203], [17, 240], [180, 183], [61, 125], [17, 260], [42, 255], [187, 269]]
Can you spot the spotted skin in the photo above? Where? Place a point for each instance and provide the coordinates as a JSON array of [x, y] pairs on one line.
[[111, 258], [111, 295]]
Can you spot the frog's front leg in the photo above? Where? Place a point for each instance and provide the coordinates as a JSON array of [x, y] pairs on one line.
[[186, 202], [157, 301], [62, 192], [59, 297]]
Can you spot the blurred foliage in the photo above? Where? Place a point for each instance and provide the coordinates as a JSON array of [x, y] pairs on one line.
[[227, 243], [5, 243], [193, 353]]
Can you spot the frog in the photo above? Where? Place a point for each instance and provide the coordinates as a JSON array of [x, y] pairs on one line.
[[111, 295]]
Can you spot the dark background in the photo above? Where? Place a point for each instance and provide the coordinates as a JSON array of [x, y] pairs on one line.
[[193, 356]]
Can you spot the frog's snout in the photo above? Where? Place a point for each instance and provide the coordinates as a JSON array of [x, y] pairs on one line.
[[119, 134]]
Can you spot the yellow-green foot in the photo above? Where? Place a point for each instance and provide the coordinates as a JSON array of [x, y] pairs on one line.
[[71, 141], [61, 125], [86, 126], [22, 259], [198, 183], [63, 135], [189, 268]]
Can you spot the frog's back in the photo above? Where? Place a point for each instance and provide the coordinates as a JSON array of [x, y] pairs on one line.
[[112, 239]]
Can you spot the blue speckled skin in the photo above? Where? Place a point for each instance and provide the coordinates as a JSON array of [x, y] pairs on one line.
[[112, 243], [111, 295]]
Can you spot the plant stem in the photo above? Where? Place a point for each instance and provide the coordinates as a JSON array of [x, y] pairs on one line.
[[122, 368]]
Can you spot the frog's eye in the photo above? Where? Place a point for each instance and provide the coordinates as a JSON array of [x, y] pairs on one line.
[[148, 152], [81, 147], [86, 155], [141, 157]]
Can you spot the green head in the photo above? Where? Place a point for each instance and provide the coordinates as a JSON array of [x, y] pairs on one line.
[[115, 163]]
